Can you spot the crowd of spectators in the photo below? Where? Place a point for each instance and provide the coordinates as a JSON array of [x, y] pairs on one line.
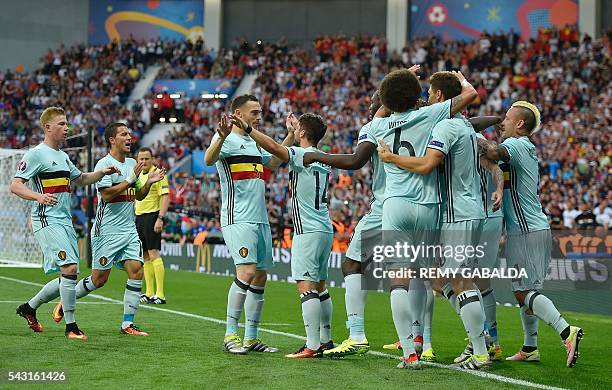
[[188, 60], [92, 83], [567, 77]]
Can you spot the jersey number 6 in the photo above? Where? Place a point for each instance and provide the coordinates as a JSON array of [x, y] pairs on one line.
[[397, 144]]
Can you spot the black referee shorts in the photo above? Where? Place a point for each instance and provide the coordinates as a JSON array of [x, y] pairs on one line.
[[144, 226]]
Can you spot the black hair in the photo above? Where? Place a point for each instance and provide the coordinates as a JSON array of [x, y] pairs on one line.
[[400, 90], [447, 83], [375, 105], [111, 131], [144, 150], [239, 101], [314, 126]]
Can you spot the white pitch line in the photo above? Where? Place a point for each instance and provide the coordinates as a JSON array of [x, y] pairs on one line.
[[481, 374]]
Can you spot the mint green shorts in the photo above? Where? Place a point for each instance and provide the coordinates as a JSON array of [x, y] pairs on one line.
[[531, 252], [462, 238], [310, 256], [400, 214], [367, 228], [412, 223], [114, 249], [489, 239], [249, 243], [59, 247]]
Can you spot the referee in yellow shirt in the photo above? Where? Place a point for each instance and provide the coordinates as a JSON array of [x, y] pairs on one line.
[[150, 213]]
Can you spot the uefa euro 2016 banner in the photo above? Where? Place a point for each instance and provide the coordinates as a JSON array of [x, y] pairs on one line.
[[145, 20], [578, 279], [467, 19], [220, 88]]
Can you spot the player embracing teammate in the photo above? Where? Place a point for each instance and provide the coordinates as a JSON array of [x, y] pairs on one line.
[[244, 219], [471, 193]]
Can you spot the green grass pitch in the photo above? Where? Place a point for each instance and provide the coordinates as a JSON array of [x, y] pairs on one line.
[[185, 346]]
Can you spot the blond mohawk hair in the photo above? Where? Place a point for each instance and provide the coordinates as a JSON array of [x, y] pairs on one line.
[[534, 110]]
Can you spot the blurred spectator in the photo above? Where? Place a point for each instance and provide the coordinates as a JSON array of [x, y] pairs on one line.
[[603, 214], [556, 219], [586, 219]]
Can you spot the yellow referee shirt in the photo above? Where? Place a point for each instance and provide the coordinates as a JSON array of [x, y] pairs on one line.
[[150, 204]]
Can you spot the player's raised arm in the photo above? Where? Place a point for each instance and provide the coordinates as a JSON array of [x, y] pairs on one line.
[[467, 96], [480, 123], [88, 178], [493, 151], [344, 161], [153, 177], [420, 165], [224, 128], [275, 161], [108, 193], [366, 143], [267, 143]]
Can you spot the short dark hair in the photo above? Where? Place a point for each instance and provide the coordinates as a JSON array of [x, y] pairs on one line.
[[399, 90], [144, 150], [447, 83], [375, 105], [239, 101], [111, 131], [314, 126], [529, 118]]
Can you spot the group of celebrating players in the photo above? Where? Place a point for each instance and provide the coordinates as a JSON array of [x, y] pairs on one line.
[[114, 238], [432, 172]]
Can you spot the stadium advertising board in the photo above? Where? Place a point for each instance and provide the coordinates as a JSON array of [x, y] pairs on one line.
[[580, 269], [145, 20], [216, 260], [466, 20]]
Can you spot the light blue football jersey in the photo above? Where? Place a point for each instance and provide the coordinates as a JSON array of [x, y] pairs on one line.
[[117, 215], [49, 171], [241, 167], [522, 208], [408, 133], [487, 188], [309, 193], [378, 170], [459, 177]]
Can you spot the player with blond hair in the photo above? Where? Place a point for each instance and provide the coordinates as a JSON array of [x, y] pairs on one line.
[[51, 174], [529, 240]]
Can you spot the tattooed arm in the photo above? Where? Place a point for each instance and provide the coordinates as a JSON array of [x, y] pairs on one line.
[[492, 151], [498, 178], [480, 123], [468, 95]]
